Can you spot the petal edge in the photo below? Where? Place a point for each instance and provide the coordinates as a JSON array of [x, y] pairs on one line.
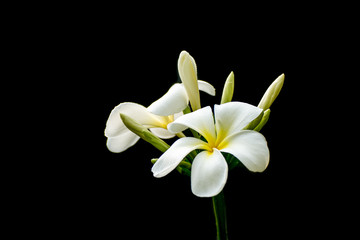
[[209, 173], [174, 101], [250, 148], [175, 154]]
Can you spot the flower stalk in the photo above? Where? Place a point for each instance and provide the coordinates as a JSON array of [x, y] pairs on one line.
[[219, 206]]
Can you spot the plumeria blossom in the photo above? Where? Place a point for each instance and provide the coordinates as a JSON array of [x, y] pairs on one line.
[[121, 138], [159, 114], [170, 106], [209, 168]]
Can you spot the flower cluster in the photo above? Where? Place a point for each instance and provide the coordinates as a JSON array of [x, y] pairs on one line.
[[220, 139]]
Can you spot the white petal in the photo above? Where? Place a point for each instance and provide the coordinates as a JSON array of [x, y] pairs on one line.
[[188, 75], [209, 173], [174, 101], [122, 142], [201, 121], [162, 133], [232, 117], [115, 126], [206, 87], [175, 154], [177, 115], [250, 148]]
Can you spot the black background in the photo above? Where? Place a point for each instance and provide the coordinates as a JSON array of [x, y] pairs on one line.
[[93, 59]]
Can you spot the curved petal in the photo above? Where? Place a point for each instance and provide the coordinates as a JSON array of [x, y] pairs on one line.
[[174, 101], [188, 75], [122, 142], [201, 121], [177, 115], [249, 147], [232, 117], [209, 173], [162, 133], [206, 87], [115, 126], [175, 154]]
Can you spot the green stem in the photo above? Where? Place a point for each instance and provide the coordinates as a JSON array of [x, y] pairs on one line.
[[220, 216]]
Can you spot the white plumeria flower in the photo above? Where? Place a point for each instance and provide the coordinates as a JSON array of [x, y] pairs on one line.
[[209, 169], [156, 117]]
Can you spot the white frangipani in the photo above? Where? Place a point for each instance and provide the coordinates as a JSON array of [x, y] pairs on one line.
[[121, 138], [167, 108], [209, 169], [160, 113]]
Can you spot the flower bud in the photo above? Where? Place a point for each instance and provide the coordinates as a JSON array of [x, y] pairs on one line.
[[144, 133], [272, 92], [228, 90]]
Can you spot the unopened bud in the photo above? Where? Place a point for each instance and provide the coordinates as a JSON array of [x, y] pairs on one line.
[[228, 90], [144, 133], [272, 92]]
